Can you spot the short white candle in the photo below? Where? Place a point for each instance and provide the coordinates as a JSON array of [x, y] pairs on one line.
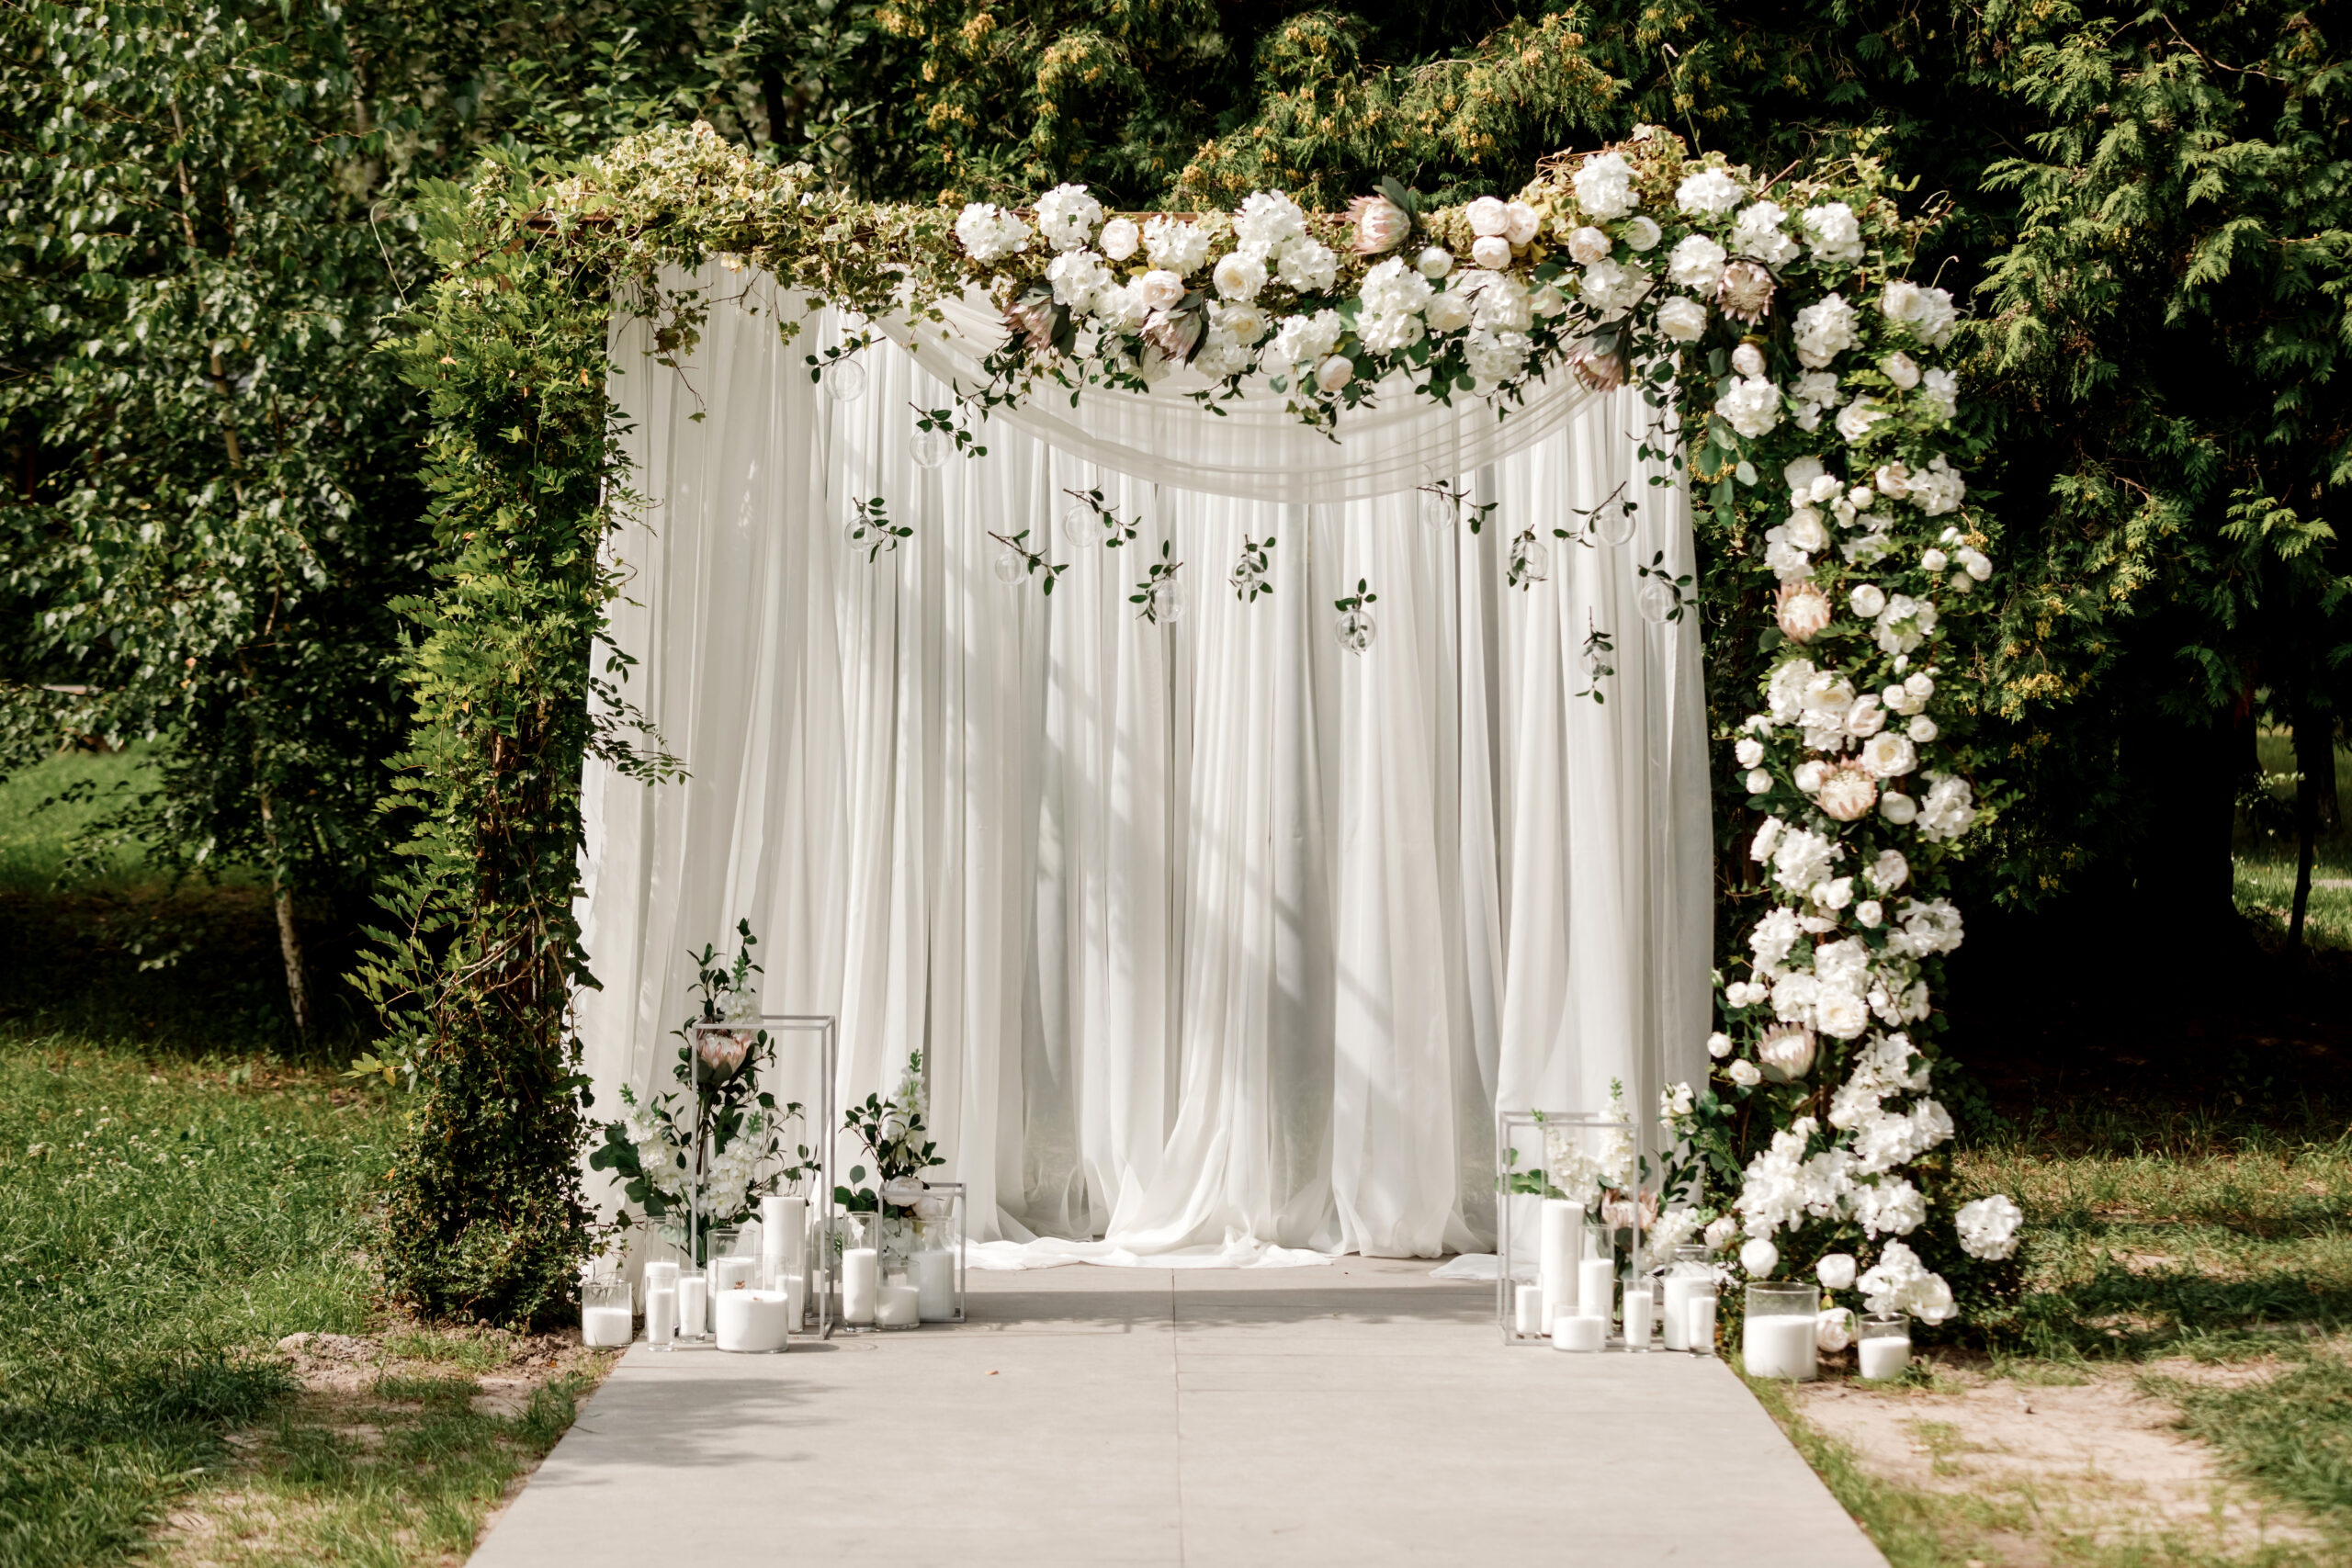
[[1527, 1309], [661, 1317], [1779, 1347], [1575, 1331], [1595, 1285], [1700, 1318], [898, 1305], [795, 1299], [861, 1276], [933, 1274], [1886, 1356], [694, 1306], [751, 1322], [605, 1326], [1555, 1253], [1639, 1303], [1674, 1309]]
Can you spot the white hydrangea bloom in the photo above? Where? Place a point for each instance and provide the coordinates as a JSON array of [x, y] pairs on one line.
[[1833, 231], [1393, 287], [1817, 393], [1502, 302], [1899, 1282], [1696, 263], [1497, 356], [1682, 318], [1385, 331], [1947, 809], [1928, 311], [1937, 488], [1774, 935], [1758, 233], [1265, 220], [989, 234], [1449, 311], [1304, 340], [1710, 193], [1067, 216], [1078, 278], [1604, 186], [1176, 245], [1752, 407], [1930, 927], [1802, 858], [1610, 287], [1988, 1227], [1308, 266], [1823, 330], [1889, 1207]]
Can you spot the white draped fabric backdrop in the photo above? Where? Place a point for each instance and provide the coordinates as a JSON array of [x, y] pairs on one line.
[[1218, 941]]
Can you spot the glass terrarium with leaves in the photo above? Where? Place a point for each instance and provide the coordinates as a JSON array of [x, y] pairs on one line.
[[698, 1158], [1585, 1158]]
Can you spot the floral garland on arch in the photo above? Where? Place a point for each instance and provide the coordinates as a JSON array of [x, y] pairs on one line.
[[1799, 382]]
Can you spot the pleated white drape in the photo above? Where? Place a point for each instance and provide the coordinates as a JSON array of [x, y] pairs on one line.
[[1215, 938]]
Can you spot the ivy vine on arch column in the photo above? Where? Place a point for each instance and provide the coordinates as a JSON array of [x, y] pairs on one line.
[[1801, 382]]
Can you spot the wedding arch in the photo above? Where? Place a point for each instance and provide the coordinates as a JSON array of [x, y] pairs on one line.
[[1478, 433]]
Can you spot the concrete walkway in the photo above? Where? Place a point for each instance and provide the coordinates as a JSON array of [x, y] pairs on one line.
[[1356, 1414]]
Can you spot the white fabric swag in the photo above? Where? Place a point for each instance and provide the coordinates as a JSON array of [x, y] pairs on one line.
[[1220, 942]]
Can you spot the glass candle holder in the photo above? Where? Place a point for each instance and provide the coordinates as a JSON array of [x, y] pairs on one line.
[[607, 1318], [1882, 1344], [1554, 1220], [1699, 1321], [935, 1265], [661, 1317], [857, 1249], [1777, 1338], [1688, 1273]]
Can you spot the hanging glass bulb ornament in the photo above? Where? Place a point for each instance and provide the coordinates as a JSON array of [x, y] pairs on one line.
[[1615, 524], [1080, 526], [1010, 566], [1246, 577], [1531, 562], [1656, 601], [928, 448], [1355, 629], [845, 380], [1168, 599], [1438, 509], [1594, 660]]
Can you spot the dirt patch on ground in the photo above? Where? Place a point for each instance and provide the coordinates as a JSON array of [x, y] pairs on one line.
[[2097, 1457]]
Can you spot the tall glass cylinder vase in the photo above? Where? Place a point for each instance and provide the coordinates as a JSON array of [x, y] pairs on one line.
[[935, 1265]]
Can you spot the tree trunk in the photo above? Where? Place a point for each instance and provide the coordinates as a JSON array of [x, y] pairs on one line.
[[290, 935], [2315, 768]]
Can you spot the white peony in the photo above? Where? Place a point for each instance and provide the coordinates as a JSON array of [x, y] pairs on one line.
[[1588, 245], [1682, 318], [1239, 276], [1392, 288], [1067, 217], [1178, 245], [1121, 237], [1334, 373], [1834, 234], [1604, 186], [989, 234], [1434, 262], [1521, 221], [1823, 330], [1486, 216], [1710, 193], [1696, 263], [1758, 233], [1160, 289], [1759, 1258], [1641, 233], [1265, 220], [1749, 750], [1889, 755], [1988, 1227], [1491, 252], [1307, 267], [1752, 407]]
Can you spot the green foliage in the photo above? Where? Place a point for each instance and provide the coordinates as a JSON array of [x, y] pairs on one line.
[[161, 1217]]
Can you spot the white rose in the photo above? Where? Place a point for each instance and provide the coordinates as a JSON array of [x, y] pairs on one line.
[[1491, 252], [1720, 1230], [1239, 276], [1682, 318], [1889, 755], [1900, 369], [1640, 233], [1869, 913], [1834, 1330], [1719, 1046], [1749, 750], [1921, 728], [1696, 263], [1854, 420], [1710, 193], [1447, 312], [1487, 216], [1520, 222], [1334, 373], [1759, 1258], [1759, 782], [1434, 263], [1897, 808], [1747, 360], [1746, 1074], [1588, 245], [1161, 290], [1867, 600], [1975, 562], [1835, 1270], [1865, 719], [1932, 561], [1120, 238]]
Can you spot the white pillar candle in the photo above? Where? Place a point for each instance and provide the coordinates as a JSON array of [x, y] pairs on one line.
[[783, 1237], [1674, 1310], [1527, 1309], [1555, 1254], [1574, 1331], [794, 1287], [1700, 1318], [606, 1326], [694, 1299], [861, 1276], [897, 1306], [662, 1274], [1595, 1285], [1886, 1356], [933, 1274], [1779, 1347], [1638, 1305], [751, 1322], [661, 1317]]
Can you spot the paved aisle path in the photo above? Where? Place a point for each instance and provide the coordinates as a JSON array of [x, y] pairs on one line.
[[1357, 1415]]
